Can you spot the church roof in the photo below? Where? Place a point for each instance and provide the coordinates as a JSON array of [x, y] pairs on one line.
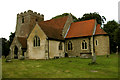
[[99, 31], [23, 41], [84, 28], [53, 28]]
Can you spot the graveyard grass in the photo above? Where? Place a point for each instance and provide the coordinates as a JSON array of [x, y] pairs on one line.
[[61, 68]]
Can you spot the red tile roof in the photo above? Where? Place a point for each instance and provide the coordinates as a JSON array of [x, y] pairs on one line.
[[99, 30], [53, 28], [82, 28], [23, 41]]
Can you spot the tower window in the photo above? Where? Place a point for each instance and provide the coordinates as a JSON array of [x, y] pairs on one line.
[[69, 45], [36, 41], [84, 44], [36, 20], [22, 19]]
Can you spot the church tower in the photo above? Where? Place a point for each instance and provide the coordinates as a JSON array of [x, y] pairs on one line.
[[26, 22]]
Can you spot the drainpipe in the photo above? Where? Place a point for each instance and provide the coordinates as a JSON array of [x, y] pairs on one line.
[[93, 54]]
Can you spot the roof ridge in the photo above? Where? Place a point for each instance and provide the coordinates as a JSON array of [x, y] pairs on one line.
[[84, 20], [55, 18]]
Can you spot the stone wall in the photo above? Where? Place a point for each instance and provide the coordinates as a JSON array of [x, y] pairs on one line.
[[39, 52], [102, 47], [54, 49], [77, 47]]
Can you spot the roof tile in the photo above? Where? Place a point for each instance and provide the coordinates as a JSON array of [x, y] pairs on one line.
[[53, 28], [82, 28], [23, 41], [99, 30]]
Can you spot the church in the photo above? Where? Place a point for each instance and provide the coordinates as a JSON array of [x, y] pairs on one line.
[[57, 38]]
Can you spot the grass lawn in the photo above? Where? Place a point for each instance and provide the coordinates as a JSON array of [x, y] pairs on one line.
[[61, 68]]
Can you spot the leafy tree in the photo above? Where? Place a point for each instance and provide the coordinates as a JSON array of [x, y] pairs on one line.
[[112, 29], [88, 16], [11, 37], [5, 47], [117, 37], [6, 44], [65, 14]]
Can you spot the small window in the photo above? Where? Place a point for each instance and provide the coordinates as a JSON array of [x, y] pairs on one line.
[[60, 46], [22, 19], [36, 41], [36, 20], [84, 44], [69, 45], [96, 42]]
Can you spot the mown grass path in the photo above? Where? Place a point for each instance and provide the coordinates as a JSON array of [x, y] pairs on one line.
[[61, 68]]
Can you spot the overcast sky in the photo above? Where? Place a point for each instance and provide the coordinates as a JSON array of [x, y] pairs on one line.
[[50, 8]]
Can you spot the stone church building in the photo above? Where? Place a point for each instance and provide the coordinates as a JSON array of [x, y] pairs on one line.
[[60, 37]]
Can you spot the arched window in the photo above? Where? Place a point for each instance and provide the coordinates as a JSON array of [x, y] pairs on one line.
[[84, 44], [36, 20], [69, 45], [36, 41], [60, 46]]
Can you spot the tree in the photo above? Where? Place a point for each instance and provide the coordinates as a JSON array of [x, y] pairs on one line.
[[6, 44], [65, 14], [88, 16], [5, 47], [117, 37], [11, 37], [112, 29]]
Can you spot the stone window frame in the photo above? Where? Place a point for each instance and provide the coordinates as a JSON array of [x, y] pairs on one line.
[[36, 41], [85, 45], [71, 46], [60, 47]]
